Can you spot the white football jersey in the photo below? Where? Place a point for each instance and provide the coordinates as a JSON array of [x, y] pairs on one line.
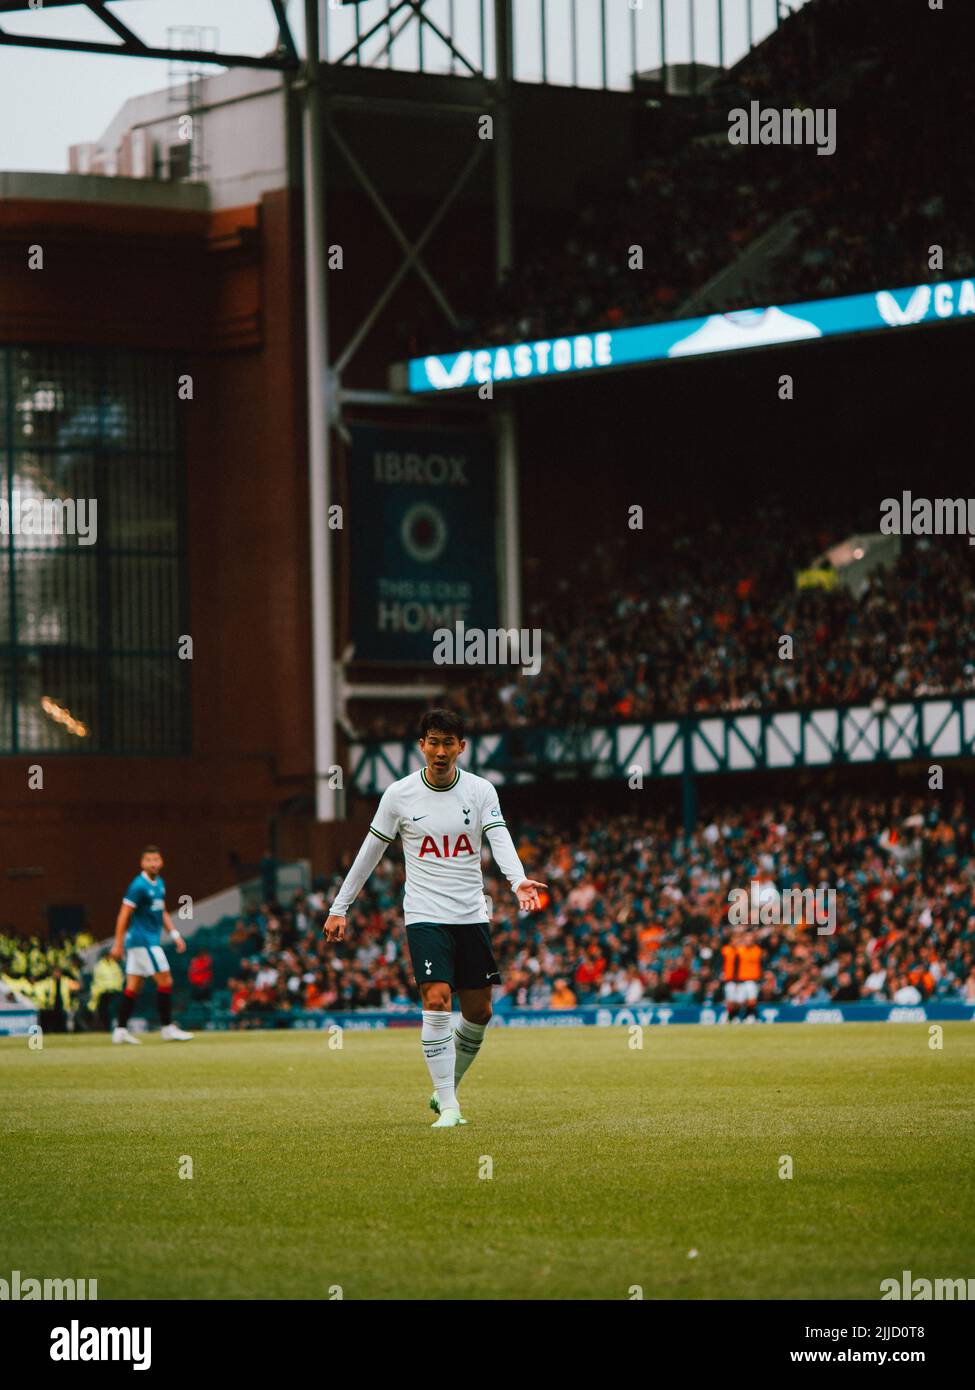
[[441, 830]]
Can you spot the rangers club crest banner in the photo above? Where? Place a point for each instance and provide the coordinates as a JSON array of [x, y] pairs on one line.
[[422, 535]]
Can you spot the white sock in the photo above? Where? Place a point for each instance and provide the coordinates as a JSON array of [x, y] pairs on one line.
[[437, 1038], [467, 1040]]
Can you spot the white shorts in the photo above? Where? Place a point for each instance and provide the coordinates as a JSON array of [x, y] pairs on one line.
[[146, 960], [740, 991]]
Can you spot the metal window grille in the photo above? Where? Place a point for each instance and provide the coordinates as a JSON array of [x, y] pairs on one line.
[[89, 633]]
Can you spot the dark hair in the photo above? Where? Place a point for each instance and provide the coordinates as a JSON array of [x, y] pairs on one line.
[[151, 849], [444, 721]]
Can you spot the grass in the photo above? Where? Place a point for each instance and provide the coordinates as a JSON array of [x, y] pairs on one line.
[[315, 1167]]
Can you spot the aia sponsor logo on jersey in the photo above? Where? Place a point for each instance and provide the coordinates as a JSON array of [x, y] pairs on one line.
[[462, 845]]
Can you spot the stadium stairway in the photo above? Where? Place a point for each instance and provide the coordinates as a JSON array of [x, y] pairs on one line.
[[752, 269], [755, 270]]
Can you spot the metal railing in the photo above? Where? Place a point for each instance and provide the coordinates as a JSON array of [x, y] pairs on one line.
[[569, 43]]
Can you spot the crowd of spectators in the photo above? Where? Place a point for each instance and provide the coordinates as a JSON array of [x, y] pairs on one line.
[[48, 974], [865, 216], [637, 912], [872, 222], [73, 988], [284, 965], [697, 629]]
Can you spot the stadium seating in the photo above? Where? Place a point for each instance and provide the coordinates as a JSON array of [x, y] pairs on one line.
[[636, 913], [888, 197], [623, 646]]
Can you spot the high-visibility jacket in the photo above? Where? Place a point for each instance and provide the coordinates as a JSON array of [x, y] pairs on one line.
[[107, 977]]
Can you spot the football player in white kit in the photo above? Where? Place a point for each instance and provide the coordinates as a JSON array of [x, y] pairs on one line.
[[441, 814]]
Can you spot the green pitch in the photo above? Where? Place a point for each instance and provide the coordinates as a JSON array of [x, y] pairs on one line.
[[314, 1168]]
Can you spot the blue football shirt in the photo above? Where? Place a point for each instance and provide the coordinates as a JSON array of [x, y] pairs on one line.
[[148, 897]]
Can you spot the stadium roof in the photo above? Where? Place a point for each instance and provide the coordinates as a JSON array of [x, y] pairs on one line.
[[131, 46], [9, 5]]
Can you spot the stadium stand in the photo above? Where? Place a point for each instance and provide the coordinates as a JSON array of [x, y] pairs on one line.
[[49, 974], [888, 196], [638, 913], [690, 629]]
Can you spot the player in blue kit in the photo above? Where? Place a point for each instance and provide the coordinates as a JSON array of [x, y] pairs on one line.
[[140, 923], [442, 815]]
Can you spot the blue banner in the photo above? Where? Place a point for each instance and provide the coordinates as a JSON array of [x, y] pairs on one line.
[[422, 529], [619, 1016], [731, 332], [17, 1022]]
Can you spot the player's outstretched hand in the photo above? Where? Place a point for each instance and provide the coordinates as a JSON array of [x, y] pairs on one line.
[[117, 951], [335, 929], [527, 892], [180, 945]]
